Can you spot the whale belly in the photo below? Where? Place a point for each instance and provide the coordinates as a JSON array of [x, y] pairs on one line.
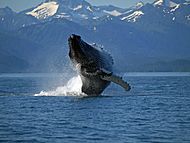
[[93, 85]]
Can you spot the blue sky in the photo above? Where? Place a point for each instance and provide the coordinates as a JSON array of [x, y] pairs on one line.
[[18, 5]]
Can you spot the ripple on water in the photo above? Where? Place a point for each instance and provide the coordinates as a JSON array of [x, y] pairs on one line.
[[155, 110]]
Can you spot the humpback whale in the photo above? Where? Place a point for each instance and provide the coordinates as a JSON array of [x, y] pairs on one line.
[[94, 66]]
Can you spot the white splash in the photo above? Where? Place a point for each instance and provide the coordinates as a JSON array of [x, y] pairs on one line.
[[62, 15], [72, 88]]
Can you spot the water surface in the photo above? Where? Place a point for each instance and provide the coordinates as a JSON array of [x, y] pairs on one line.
[[157, 109]]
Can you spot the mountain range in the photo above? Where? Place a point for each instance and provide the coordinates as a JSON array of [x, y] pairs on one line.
[[145, 37]]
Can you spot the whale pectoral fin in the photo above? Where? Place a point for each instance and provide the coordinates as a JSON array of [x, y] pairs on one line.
[[118, 80]]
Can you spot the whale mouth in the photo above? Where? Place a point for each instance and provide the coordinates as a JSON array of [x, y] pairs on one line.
[[76, 52], [73, 36], [74, 40], [79, 54]]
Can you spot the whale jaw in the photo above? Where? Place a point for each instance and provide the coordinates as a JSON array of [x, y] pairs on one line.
[[75, 52]]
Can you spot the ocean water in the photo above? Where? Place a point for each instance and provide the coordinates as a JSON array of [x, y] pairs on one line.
[[46, 108]]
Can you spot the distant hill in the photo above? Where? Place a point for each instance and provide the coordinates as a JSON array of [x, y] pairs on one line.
[[10, 63], [145, 37]]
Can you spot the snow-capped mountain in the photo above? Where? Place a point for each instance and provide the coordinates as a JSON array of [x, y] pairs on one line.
[[82, 12], [44, 10], [160, 9], [61, 9], [141, 35], [73, 10]]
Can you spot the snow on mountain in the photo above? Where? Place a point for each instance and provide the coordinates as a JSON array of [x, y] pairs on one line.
[[62, 15], [83, 13], [162, 2], [173, 4], [44, 10], [188, 17], [175, 8], [172, 10], [77, 8], [169, 3], [89, 8], [139, 5], [133, 17], [113, 13], [158, 2], [73, 10], [182, 12]]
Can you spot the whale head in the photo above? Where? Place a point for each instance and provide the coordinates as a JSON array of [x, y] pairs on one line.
[[82, 53], [76, 52]]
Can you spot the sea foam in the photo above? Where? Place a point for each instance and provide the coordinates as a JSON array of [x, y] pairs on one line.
[[72, 88]]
